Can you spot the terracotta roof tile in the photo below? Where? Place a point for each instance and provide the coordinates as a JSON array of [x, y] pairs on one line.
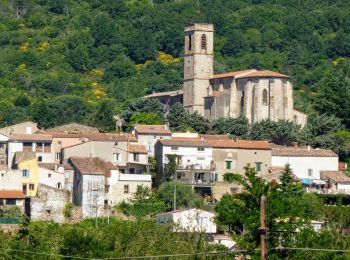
[[152, 129], [98, 137], [11, 194], [137, 148], [31, 137], [303, 152], [215, 143], [24, 156], [262, 73], [232, 74], [214, 137], [72, 128], [49, 166], [336, 176], [94, 166]]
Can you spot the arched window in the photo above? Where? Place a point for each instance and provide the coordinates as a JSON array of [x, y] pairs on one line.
[[264, 97], [189, 42], [204, 42]]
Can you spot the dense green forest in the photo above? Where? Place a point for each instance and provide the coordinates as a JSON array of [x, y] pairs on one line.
[[86, 60]]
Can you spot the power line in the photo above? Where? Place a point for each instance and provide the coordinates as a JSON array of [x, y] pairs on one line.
[[41, 253], [312, 249]]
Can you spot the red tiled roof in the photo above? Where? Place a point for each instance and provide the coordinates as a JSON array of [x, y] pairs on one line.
[[263, 73], [98, 137], [11, 194], [214, 137], [152, 129], [48, 166], [24, 156], [232, 74], [31, 137], [241, 144], [336, 176], [303, 152], [93, 166], [137, 148], [250, 73], [216, 143]]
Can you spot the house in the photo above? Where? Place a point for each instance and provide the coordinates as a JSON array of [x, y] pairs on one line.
[[12, 198], [189, 220], [99, 185], [41, 144], [51, 175], [148, 135], [337, 182], [73, 128], [49, 204], [26, 127], [194, 160], [305, 162], [226, 240], [232, 156]]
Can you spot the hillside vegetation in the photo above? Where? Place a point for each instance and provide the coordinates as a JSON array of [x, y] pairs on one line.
[[86, 60]]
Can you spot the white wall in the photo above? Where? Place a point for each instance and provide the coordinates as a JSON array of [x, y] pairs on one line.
[[11, 180], [300, 165], [149, 141], [117, 181], [53, 180], [190, 156], [93, 195], [12, 149], [192, 220]]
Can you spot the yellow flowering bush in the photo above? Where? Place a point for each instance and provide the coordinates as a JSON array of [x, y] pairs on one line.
[[24, 47], [167, 58], [97, 72], [43, 46]]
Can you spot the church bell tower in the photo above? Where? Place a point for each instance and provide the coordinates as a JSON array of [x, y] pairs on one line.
[[198, 65]]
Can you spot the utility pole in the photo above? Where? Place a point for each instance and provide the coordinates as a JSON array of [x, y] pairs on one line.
[[263, 228], [174, 196]]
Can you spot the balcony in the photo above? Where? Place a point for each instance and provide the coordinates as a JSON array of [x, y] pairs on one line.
[[196, 167]]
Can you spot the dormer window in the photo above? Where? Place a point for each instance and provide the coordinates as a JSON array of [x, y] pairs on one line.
[[204, 42]]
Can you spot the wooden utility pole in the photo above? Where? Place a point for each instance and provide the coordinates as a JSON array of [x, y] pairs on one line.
[[174, 196], [263, 228]]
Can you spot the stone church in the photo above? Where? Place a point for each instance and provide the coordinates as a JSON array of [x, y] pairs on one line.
[[256, 94]]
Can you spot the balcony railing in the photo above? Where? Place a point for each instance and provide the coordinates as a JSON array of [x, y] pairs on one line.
[[192, 167], [198, 182]]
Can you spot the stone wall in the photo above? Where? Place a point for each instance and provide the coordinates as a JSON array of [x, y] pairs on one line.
[[49, 204]]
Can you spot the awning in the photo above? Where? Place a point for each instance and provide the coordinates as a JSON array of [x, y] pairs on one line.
[[306, 182]]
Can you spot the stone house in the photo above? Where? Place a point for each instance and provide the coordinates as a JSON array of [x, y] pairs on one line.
[[26, 127], [148, 135], [337, 182], [49, 204], [12, 198]]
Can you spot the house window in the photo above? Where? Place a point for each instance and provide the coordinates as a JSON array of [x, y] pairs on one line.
[[203, 42], [200, 149], [58, 156], [174, 148], [309, 172], [10, 201], [48, 212], [25, 173], [258, 166], [122, 170], [116, 157], [59, 185], [126, 189], [228, 165], [40, 158], [49, 175], [24, 189], [31, 186], [132, 170], [136, 157], [264, 100], [107, 188], [189, 42]]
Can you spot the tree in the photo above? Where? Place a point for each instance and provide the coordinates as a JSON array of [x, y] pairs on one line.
[[144, 118], [262, 130], [288, 184], [142, 105], [237, 127], [177, 117], [103, 118], [170, 167], [22, 101], [185, 196]]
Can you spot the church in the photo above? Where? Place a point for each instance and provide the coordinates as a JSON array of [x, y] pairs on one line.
[[256, 94]]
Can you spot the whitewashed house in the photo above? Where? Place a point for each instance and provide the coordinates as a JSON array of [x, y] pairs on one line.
[[189, 220], [194, 162], [306, 163], [337, 181], [148, 135]]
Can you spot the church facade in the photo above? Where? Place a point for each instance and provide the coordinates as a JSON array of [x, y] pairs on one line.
[[255, 94]]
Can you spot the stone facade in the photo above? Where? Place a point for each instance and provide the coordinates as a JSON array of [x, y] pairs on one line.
[[257, 95], [49, 204]]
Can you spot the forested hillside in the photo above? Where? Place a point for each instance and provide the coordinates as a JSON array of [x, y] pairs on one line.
[[86, 60]]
